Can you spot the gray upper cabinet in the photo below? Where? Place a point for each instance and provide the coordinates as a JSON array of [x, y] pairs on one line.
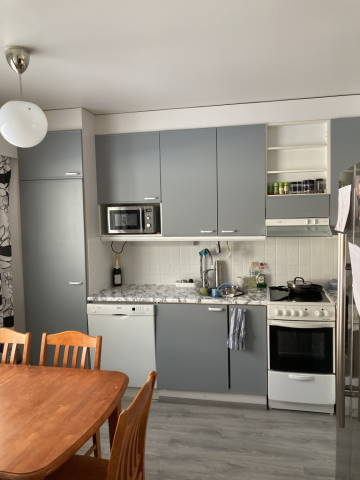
[[297, 206], [59, 155], [128, 168], [248, 368], [345, 148], [241, 180], [189, 186], [191, 351]]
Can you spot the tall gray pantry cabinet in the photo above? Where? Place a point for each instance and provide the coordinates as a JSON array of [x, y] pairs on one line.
[[53, 239]]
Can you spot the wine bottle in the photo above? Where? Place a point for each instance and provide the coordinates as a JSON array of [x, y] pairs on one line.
[[116, 272]]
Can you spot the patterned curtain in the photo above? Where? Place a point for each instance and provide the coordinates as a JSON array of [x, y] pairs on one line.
[[6, 279]]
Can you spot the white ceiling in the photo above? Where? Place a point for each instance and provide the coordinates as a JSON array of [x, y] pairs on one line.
[[113, 56]]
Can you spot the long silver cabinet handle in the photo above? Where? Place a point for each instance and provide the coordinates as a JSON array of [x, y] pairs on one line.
[[72, 174], [151, 198], [207, 231], [75, 283], [228, 231], [216, 309]]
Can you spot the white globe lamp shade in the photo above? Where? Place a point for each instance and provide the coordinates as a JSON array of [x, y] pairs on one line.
[[22, 124]]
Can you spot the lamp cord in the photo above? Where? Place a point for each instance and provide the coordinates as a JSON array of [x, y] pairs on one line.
[[20, 86]]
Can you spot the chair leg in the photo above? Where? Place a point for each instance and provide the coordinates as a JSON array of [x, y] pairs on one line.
[[97, 444]]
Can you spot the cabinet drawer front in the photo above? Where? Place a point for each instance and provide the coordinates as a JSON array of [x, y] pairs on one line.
[[241, 180], [302, 388], [59, 155], [188, 181], [301, 206], [128, 168], [191, 352], [248, 368]]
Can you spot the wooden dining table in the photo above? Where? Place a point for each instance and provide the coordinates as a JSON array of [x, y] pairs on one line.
[[48, 413]]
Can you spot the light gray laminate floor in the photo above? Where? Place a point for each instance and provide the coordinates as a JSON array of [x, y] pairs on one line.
[[198, 442]]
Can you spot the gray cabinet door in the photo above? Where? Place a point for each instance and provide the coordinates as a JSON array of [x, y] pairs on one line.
[[128, 168], [248, 368], [59, 155], [241, 180], [53, 256], [301, 206], [345, 152], [191, 352], [188, 180]]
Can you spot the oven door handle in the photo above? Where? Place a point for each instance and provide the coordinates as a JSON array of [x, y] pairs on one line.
[[300, 377], [299, 324]]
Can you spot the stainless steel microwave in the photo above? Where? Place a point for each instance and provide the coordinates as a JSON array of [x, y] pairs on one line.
[[133, 219]]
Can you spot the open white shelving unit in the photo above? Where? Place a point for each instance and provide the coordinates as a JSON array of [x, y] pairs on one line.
[[298, 151]]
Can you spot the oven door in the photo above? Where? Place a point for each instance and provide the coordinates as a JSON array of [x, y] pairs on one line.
[[303, 347], [125, 220]]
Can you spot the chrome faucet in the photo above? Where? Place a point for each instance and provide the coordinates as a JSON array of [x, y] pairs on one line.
[[203, 270]]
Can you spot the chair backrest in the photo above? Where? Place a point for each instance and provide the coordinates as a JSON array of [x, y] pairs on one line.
[[71, 349], [10, 340], [128, 449]]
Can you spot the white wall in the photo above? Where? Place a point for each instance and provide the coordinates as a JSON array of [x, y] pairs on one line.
[[162, 263], [240, 114], [97, 253]]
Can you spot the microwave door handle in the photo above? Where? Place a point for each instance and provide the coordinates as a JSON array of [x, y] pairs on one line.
[[142, 220]]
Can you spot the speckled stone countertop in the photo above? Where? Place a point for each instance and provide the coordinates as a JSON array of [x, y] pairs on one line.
[[151, 293]]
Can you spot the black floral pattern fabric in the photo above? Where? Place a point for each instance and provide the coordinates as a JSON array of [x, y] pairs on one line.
[[6, 278]]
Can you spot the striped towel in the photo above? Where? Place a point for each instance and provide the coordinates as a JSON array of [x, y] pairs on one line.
[[237, 333]]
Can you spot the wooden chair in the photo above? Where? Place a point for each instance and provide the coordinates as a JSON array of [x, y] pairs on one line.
[[10, 337], [128, 449], [80, 343]]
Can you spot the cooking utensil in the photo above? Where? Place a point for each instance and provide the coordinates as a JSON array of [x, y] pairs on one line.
[[299, 287], [230, 290]]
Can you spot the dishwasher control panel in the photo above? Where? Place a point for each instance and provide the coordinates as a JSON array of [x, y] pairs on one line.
[[119, 309]]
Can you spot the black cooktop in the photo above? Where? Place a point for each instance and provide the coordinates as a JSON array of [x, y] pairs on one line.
[[282, 294]]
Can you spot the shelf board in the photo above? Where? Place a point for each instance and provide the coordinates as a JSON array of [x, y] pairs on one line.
[[297, 147], [312, 170], [297, 194], [160, 238]]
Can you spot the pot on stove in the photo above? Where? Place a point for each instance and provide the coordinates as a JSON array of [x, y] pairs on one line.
[[300, 288]]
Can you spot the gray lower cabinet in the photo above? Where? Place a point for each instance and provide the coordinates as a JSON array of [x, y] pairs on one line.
[[301, 206], [189, 184], [248, 368], [59, 155], [128, 168], [191, 351], [53, 256], [241, 180], [345, 148]]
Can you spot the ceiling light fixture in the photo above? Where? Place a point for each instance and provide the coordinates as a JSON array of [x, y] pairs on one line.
[[22, 124]]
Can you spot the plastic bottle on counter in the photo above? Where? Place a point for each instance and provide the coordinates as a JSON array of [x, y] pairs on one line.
[[260, 277]]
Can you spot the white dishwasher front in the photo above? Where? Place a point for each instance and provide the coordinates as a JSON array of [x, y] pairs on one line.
[[128, 338]]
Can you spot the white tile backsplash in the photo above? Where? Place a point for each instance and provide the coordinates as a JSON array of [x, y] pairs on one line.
[[163, 263]]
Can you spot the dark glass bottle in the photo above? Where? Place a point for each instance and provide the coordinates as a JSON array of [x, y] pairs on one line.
[[116, 273]]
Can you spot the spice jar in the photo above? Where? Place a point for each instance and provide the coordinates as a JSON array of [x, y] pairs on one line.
[[286, 188], [281, 188], [276, 188]]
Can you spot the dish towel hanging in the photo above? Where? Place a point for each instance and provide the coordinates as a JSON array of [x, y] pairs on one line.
[[237, 332]]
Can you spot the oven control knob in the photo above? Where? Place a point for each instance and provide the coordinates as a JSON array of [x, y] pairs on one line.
[[318, 313], [302, 313], [294, 313], [277, 311], [286, 313], [326, 313]]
